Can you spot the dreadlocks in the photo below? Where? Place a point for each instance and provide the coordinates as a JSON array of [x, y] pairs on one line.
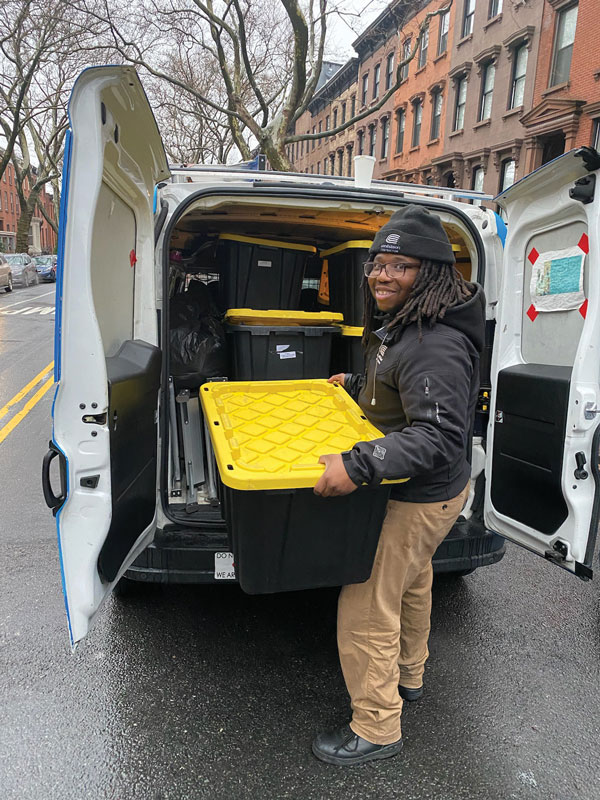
[[437, 288]]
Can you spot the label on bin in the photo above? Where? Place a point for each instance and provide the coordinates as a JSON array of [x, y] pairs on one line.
[[281, 347], [264, 263], [288, 354], [224, 567]]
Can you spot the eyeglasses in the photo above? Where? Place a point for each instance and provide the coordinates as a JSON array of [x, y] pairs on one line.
[[395, 269]]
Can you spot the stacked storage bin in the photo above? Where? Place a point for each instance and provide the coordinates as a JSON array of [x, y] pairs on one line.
[[348, 354], [261, 273], [268, 437], [280, 345]]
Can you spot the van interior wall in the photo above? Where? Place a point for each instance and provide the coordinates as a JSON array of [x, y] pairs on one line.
[[199, 297]]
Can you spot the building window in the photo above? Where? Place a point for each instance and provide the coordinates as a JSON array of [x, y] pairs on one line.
[[349, 162], [335, 116], [436, 115], [477, 183], [376, 74], [314, 140], [312, 169], [517, 90], [400, 126], [469, 14], [507, 174], [340, 162], [461, 99], [365, 88], [563, 45], [385, 136], [596, 135], [487, 90], [389, 71], [405, 57], [324, 167], [422, 60], [494, 8], [343, 112], [332, 164], [320, 141], [372, 139], [443, 37], [352, 106], [417, 118], [360, 143]]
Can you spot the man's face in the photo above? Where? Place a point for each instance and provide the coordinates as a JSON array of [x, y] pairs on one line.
[[391, 286]]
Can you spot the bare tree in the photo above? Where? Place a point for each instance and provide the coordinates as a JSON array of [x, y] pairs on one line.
[[269, 58]]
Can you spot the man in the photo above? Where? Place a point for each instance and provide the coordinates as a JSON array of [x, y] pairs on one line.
[[420, 390]]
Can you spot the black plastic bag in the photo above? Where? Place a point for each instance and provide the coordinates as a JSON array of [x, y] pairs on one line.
[[197, 339]]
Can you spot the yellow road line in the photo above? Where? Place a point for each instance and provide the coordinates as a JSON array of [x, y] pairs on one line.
[[25, 390], [12, 423]]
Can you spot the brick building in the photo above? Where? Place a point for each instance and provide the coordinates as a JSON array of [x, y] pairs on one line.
[[491, 80], [420, 102], [42, 237], [566, 101]]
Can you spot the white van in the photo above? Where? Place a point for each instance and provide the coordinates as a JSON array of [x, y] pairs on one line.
[[123, 215]]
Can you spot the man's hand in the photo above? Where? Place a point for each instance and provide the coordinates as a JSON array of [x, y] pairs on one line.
[[339, 378], [335, 481]]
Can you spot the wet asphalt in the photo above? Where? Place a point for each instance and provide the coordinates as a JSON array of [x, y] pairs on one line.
[[204, 692]]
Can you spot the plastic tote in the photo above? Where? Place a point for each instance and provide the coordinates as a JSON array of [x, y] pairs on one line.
[[260, 273], [267, 437], [348, 354], [278, 352], [345, 274]]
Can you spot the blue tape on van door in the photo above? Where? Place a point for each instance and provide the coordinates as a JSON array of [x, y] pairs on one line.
[[500, 228], [64, 198]]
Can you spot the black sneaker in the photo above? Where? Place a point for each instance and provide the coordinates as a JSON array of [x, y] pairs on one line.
[[410, 694], [345, 748]]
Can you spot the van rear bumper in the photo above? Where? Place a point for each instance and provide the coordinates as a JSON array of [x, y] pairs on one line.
[[188, 555]]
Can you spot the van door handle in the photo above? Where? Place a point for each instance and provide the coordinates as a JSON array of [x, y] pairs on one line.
[[52, 501]]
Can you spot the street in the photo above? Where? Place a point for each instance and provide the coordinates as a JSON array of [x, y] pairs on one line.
[[204, 692]]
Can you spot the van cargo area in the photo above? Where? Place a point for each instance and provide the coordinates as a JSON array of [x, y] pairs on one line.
[[275, 255]]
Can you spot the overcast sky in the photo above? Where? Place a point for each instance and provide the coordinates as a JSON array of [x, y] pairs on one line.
[[345, 28]]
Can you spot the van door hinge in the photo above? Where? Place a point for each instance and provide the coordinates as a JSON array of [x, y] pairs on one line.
[[584, 189], [559, 552]]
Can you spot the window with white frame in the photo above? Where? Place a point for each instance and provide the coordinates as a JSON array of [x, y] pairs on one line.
[[417, 119], [477, 182], [468, 16], [372, 139], [519, 71], [436, 115], [385, 135], [487, 89], [400, 126], [564, 37], [423, 47], [389, 71], [443, 33], [376, 76], [507, 174], [365, 88], [461, 100], [596, 135], [405, 56], [494, 8]]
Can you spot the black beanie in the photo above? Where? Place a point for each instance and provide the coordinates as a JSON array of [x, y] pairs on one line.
[[413, 231]]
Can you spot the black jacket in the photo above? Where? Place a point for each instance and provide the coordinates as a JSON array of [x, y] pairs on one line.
[[422, 396]]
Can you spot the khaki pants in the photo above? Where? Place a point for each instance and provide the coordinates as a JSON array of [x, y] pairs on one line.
[[383, 624]]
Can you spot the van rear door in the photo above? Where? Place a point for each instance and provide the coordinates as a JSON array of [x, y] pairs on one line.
[[107, 358], [544, 432]]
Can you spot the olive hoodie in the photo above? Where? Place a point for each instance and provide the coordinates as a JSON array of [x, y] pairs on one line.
[[422, 395]]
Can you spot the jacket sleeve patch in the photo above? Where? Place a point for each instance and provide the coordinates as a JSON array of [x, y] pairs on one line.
[[379, 452]]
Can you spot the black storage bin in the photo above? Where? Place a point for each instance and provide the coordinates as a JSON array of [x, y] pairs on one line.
[[285, 540], [263, 353], [260, 273], [345, 271], [348, 354]]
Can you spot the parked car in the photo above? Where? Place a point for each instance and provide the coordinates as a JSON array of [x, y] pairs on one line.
[[46, 267], [23, 269], [6, 279], [120, 435]]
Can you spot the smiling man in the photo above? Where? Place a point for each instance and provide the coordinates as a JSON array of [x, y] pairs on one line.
[[420, 389]]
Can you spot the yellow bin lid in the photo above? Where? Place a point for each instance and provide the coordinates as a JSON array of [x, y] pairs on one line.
[[251, 316], [351, 330], [270, 434], [233, 237]]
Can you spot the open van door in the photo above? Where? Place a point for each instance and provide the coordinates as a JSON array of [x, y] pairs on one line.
[[543, 482], [107, 358]]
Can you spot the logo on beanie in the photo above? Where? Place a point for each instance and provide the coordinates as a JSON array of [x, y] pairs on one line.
[[392, 238]]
